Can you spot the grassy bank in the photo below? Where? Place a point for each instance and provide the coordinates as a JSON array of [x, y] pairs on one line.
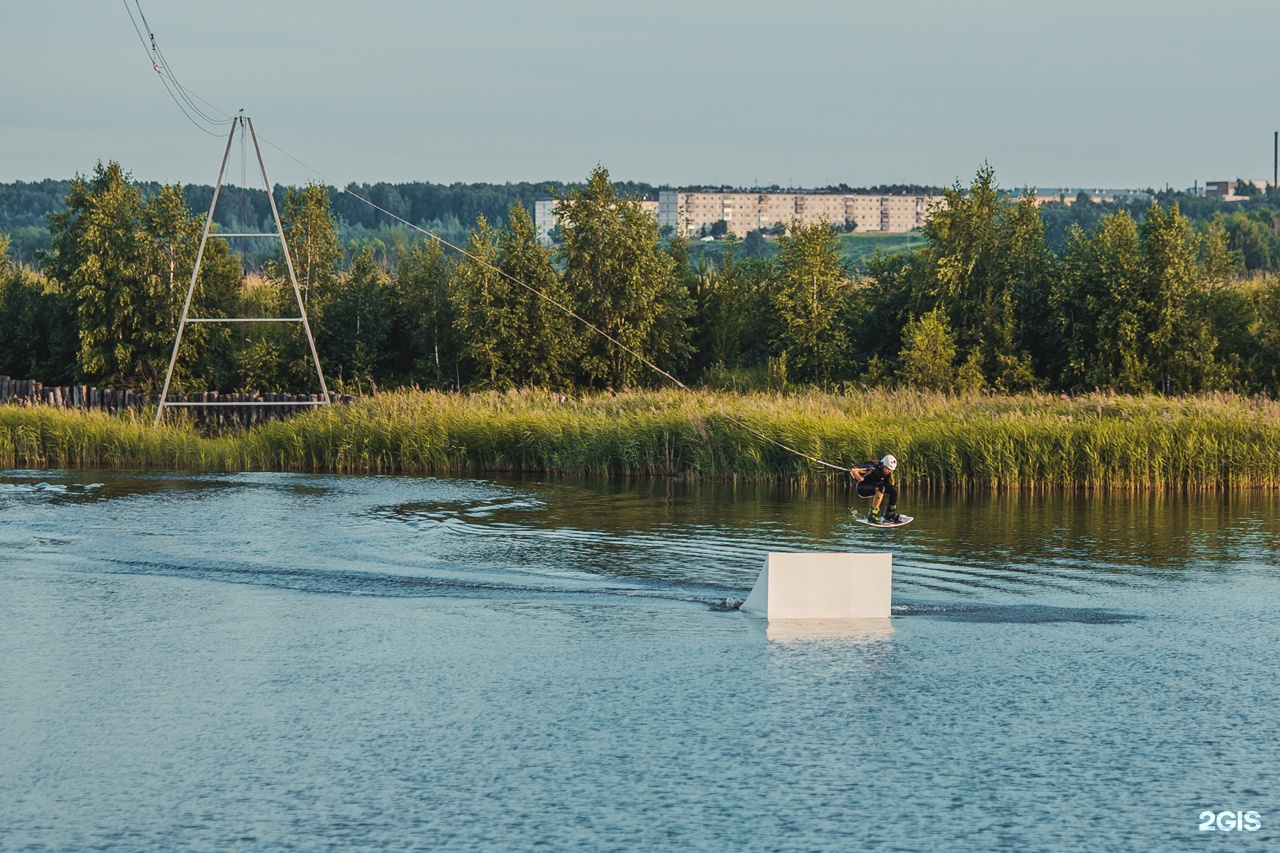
[[1031, 441], [857, 247]]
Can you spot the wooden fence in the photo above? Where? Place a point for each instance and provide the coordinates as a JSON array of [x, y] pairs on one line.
[[258, 407]]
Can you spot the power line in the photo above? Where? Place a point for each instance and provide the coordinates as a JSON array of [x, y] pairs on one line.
[[176, 91], [166, 70]]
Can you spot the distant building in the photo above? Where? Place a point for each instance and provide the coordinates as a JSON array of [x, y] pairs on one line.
[[1219, 189], [695, 214], [544, 219], [1069, 195], [1228, 190]]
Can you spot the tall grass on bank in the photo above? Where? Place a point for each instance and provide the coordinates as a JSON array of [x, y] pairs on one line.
[[1026, 441]]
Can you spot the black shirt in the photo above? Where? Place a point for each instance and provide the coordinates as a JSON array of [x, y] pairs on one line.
[[875, 475]]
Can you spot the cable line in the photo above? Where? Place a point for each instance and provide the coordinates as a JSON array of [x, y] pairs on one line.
[[177, 92], [567, 310], [166, 76], [161, 64]]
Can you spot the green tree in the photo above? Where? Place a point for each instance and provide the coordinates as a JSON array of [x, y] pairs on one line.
[[261, 347], [1264, 360], [809, 300], [1103, 307], [205, 359], [37, 324], [929, 352], [624, 282], [509, 333], [1139, 304], [756, 246], [1252, 236], [727, 307], [125, 259], [986, 265], [357, 322], [1181, 336], [883, 300], [960, 262], [483, 318], [425, 344], [98, 249], [1027, 343], [311, 234], [549, 340]]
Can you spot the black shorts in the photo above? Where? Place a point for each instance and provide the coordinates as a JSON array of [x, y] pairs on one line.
[[868, 490]]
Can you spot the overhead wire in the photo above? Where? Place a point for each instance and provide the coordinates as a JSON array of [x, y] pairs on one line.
[[154, 55], [162, 66], [178, 93], [566, 309]]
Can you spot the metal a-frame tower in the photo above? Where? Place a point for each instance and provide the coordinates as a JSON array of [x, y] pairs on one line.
[[244, 125]]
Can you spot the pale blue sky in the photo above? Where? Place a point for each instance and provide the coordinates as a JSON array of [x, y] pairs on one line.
[[1118, 93]]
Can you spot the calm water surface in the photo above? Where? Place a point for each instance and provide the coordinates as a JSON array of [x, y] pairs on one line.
[[267, 662]]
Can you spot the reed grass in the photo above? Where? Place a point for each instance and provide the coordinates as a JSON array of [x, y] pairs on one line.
[[1028, 441]]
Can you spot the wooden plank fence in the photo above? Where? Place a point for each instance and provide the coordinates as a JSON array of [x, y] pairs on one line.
[[30, 392]]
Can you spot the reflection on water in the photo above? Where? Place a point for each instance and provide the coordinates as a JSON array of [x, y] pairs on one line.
[[269, 661], [793, 630]]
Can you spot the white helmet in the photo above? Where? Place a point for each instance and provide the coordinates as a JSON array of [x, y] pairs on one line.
[[890, 463]]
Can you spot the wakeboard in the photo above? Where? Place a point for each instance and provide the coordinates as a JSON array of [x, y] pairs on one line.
[[906, 519]]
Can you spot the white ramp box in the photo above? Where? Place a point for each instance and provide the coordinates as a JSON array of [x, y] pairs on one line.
[[822, 586]]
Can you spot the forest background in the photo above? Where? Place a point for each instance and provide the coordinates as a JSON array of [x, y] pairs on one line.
[[1178, 296]]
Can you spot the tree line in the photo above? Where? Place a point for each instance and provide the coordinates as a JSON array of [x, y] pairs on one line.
[[1130, 303], [445, 209], [1252, 226], [450, 210]]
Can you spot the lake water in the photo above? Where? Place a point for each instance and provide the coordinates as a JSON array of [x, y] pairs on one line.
[[270, 662]]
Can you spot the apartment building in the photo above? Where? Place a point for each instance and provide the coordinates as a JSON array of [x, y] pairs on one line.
[[890, 214], [694, 214]]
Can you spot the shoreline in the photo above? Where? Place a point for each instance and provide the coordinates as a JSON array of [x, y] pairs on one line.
[[1032, 441]]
